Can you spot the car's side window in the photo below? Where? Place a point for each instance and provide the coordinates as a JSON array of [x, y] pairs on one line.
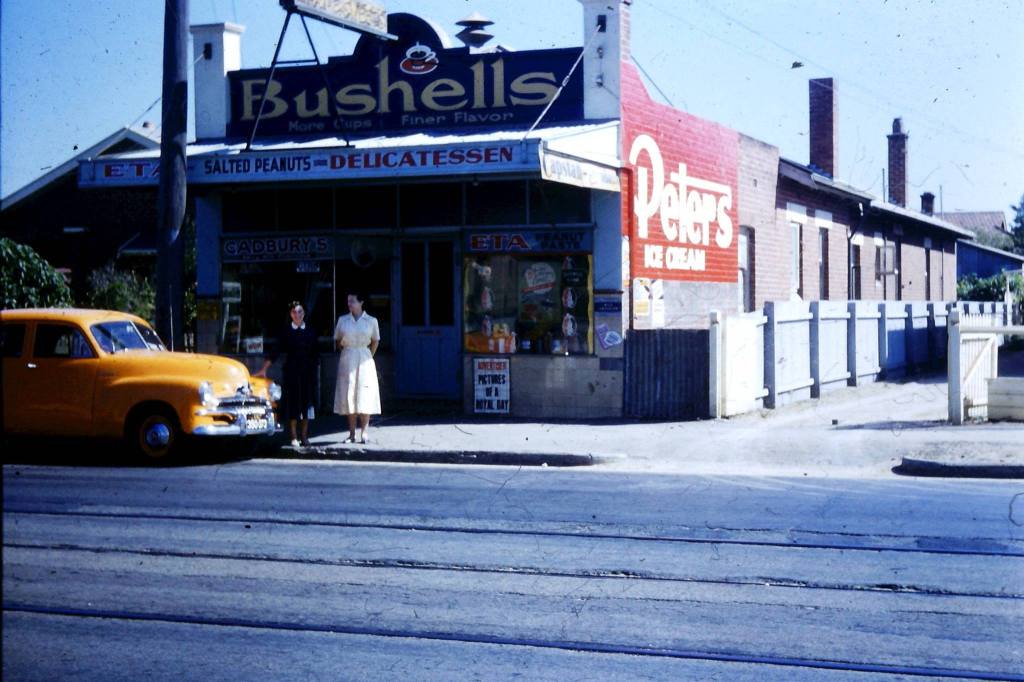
[[60, 341], [12, 340]]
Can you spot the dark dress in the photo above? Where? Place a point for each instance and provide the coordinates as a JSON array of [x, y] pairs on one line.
[[299, 391]]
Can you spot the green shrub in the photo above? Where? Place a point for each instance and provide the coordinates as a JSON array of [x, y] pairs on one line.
[[113, 289], [974, 288], [28, 281]]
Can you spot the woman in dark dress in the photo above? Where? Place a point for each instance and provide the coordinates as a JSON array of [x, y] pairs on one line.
[[298, 343]]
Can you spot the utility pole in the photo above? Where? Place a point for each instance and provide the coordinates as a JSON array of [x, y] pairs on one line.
[[171, 202]]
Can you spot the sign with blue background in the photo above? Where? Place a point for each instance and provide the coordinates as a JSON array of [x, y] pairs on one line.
[[409, 84]]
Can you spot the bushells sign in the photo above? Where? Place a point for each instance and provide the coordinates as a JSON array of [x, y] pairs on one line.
[[411, 83]]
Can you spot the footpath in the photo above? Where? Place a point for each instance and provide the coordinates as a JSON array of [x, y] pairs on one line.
[[872, 431]]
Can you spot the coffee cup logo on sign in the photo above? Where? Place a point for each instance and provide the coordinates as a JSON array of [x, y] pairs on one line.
[[419, 59]]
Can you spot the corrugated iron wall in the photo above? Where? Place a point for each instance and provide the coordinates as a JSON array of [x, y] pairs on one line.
[[667, 374]]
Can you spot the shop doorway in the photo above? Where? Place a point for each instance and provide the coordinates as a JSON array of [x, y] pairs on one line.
[[427, 352]]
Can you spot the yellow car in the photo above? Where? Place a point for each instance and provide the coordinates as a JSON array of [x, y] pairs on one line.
[[69, 372]]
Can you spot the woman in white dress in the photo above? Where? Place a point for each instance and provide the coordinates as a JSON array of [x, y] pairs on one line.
[[357, 395]]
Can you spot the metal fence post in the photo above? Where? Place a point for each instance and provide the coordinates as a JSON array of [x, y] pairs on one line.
[[716, 393], [956, 402]]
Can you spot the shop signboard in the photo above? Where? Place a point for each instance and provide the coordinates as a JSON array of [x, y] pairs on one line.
[[491, 385], [341, 163], [359, 15], [412, 83], [306, 248], [530, 241], [572, 170], [682, 208]]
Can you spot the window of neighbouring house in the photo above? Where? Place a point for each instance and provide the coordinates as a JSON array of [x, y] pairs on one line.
[[746, 269], [796, 271], [823, 264]]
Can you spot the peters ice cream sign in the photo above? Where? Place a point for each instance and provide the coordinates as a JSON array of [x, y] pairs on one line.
[[681, 205]]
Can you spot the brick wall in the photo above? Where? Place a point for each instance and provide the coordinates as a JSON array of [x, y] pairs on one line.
[[757, 182], [821, 211]]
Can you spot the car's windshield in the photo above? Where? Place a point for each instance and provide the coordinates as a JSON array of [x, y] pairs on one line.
[[122, 335]]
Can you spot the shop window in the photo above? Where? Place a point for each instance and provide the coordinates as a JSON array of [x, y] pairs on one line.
[[250, 211], [496, 203], [255, 298], [414, 267], [441, 283], [372, 277], [553, 203], [528, 304], [305, 209], [431, 204], [366, 206]]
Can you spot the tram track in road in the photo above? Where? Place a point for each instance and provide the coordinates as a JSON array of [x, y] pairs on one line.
[[422, 557], [935, 544], [596, 648]]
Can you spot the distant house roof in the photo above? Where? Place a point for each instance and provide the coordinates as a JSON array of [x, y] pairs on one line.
[[811, 177], [990, 249], [977, 221], [125, 139]]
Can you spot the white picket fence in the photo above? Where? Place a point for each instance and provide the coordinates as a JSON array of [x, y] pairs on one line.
[[973, 369]]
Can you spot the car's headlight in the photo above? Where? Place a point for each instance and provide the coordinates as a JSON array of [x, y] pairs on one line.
[[275, 391], [206, 396]]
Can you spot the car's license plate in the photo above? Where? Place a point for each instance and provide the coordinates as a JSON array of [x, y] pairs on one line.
[[256, 424]]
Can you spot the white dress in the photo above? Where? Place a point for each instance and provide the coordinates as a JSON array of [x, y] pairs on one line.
[[357, 391]]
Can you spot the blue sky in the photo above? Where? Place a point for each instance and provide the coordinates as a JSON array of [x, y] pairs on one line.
[[74, 71]]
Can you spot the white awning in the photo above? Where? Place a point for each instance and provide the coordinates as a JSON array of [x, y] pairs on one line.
[[416, 155]]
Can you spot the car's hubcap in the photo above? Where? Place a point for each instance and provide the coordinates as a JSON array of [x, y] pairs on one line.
[[158, 436]]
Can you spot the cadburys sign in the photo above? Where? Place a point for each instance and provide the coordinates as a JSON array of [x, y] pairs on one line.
[[413, 83], [683, 202]]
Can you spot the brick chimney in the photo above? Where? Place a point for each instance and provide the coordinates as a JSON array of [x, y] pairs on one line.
[[898, 164], [823, 132], [928, 203], [604, 56]]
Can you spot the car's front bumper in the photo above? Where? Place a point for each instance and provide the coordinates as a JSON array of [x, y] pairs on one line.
[[243, 420]]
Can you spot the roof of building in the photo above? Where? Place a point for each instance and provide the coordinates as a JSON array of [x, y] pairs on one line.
[[975, 245], [811, 178], [977, 221], [145, 138]]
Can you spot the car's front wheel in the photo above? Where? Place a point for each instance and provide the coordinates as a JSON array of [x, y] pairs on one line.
[[153, 434]]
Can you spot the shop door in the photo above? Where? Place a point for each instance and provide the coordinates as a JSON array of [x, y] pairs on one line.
[[427, 364]]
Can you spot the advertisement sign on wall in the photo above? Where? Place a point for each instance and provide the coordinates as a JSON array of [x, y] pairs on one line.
[[491, 385], [682, 204], [411, 83]]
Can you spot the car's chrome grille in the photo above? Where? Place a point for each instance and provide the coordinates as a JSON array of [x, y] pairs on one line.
[[241, 403]]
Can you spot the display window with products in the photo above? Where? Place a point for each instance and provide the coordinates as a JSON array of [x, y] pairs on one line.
[[534, 301]]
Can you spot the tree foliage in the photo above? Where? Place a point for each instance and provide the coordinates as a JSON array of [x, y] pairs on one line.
[[113, 289], [1017, 227], [974, 288], [27, 280]]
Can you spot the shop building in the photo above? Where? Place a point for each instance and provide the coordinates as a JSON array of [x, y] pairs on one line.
[[513, 217]]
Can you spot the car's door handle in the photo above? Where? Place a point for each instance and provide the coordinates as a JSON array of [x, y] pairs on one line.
[[31, 365]]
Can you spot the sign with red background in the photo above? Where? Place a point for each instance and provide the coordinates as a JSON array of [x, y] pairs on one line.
[[680, 201]]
